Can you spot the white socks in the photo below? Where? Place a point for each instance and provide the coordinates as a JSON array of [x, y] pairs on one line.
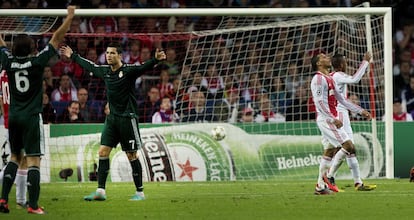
[[323, 168], [353, 164], [21, 186]]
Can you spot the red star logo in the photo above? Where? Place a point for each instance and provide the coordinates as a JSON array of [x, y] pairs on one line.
[[187, 169]]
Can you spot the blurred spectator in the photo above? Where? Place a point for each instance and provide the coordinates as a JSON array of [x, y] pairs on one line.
[[48, 82], [235, 108], [166, 114], [82, 46], [354, 98], [404, 37], [108, 22], [299, 110], [65, 66], [150, 105], [87, 110], [49, 113], [247, 115], [132, 56], [278, 95], [398, 114], [71, 114], [213, 82], [402, 80], [66, 90], [198, 111], [105, 111], [171, 62], [407, 96], [99, 43], [266, 113], [164, 84]]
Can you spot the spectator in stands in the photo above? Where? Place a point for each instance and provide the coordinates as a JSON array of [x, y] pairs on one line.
[[172, 63], [100, 43], [105, 111], [354, 98], [253, 88], [47, 88], [401, 56], [299, 110], [404, 37], [164, 84], [213, 82], [166, 114], [266, 113], [89, 113], [398, 114], [278, 95], [48, 77], [235, 108], [247, 115], [407, 95], [49, 113], [150, 105], [71, 114], [133, 54], [402, 80], [82, 46], [65, 66], [198, 109], [145, 54], [66, 90], [108, 22]]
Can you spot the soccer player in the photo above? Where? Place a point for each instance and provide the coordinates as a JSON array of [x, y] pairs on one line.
[[21, 177], [25, 73], [325, 96], [339, 63], [121, 125]]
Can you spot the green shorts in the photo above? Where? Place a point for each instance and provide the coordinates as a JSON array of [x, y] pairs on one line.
[[26, 132], [124, 130]]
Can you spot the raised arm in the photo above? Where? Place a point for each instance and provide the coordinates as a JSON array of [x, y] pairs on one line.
[[2, 42], [59, 34], [357, 76]]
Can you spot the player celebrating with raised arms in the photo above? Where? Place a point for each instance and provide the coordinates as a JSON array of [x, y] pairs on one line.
[[121, 125], [25, 74], [341, 79], [325, 96]]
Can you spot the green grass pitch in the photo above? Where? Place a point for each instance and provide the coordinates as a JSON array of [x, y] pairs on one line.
[[276, 199]]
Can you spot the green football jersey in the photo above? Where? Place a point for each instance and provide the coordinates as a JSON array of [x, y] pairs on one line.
[[120, 85], [26, 80]]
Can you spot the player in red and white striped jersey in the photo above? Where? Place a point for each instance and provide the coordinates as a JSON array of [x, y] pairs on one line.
[[326, 96], [21, 176], [341, 79]]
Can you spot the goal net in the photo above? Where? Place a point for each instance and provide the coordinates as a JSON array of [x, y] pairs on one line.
[[248, 74]]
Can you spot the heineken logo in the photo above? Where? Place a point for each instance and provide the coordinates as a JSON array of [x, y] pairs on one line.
[[197, 157], [284, 163]]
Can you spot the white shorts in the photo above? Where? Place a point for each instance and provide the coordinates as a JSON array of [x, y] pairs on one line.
[[332, 136], [343, 115]]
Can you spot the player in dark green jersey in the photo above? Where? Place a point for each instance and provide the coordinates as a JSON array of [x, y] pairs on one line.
[[25, 71], [121, 125]]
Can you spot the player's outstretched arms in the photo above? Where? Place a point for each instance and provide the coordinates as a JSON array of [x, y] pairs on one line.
[[59, 34]]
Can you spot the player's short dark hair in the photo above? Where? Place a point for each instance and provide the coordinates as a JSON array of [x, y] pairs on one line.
[[314, 61], [337, 60], [117, 45], [23, 45]]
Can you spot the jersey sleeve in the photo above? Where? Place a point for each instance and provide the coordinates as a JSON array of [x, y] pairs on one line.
[[138, 70], [343, 78], [44, 55], [319, 88], [348, 104], [87, 65]]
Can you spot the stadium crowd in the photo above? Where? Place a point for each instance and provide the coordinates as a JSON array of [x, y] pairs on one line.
[[72, 95]]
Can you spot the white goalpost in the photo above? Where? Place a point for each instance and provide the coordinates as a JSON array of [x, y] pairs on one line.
[[262, 55]]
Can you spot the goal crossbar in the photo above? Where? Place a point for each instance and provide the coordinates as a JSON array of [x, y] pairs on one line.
[[199, 12]]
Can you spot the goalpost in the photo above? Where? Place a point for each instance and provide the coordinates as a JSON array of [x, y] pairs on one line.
[[252, 53]]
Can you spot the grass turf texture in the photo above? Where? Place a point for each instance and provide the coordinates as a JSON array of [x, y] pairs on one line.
[[277, 199]]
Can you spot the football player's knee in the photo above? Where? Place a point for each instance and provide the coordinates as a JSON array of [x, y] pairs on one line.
[[131, 155]]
